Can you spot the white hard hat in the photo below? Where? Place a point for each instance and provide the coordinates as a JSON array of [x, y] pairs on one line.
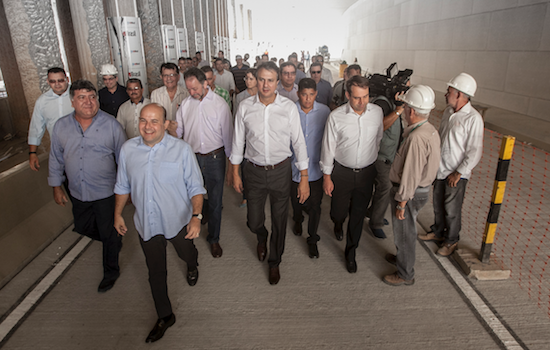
[[464, 83], [108, 69], [420, 97]]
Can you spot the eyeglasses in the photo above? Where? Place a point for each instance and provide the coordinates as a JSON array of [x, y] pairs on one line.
[[108, 79], [169, 75], [316, 72], [53, 81], [289, 73], [133, 88]]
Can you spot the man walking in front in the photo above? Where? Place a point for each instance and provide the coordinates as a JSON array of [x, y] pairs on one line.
[[85, 146], [162, 175], [268, 125], [461, 133]]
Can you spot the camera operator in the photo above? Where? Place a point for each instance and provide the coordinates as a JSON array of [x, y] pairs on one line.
[[391, 139]]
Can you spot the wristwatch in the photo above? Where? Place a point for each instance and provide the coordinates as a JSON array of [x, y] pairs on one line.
[[198, 216]]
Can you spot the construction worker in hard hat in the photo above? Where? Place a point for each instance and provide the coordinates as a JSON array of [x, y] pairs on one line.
[[113, 94], [461, 133], [412, 173]]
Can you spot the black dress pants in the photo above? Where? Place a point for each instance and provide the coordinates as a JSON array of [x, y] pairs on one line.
[[96, 220], [155, 257], [312, 206], [261, 182], [352, 193]]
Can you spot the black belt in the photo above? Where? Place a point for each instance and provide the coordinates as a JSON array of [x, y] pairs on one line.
[[355, 170], [270, 167], [210, 153]]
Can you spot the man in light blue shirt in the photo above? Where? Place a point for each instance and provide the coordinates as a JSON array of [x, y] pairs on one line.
[[85, 147], [313, 117], [49, 107], [162, 175]]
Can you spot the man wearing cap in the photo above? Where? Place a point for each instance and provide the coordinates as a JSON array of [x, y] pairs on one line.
[[461, 133], [239, 73], [113, 94], [412, 173]]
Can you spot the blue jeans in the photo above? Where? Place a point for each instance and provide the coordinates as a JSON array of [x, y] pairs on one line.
[[448, 209], [213, 172], [404, 231]]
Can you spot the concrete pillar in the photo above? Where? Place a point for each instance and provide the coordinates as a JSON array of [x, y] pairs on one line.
[[91, 37], [148, 12], [190, 25], [35, 49]]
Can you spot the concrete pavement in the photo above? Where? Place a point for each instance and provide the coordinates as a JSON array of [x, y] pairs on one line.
[[316, 305]]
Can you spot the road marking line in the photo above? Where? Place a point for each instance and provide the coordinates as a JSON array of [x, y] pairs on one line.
[[488, 316], [44, 286]]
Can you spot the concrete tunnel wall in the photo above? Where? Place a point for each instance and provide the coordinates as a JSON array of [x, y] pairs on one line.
[[504, 44]]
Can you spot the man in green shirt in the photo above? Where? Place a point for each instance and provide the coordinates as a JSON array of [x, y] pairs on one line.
[[211, 79]]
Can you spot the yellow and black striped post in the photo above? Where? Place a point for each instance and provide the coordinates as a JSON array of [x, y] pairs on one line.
[[506, 150]]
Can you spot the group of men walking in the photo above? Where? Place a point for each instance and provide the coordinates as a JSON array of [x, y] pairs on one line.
[[291, 149]]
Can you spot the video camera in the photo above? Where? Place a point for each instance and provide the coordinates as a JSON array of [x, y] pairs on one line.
[[383, 88]]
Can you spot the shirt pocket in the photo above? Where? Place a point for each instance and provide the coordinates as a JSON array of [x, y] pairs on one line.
[[169, 172]]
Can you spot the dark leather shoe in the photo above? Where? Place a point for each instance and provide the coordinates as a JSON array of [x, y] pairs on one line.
[[160, 328], [297, 228], [274, 275], [262, 251], [378, 233], [392, 259], [338, 232], [107, 283], [216, 250], [192, 276], [313, 251], [351, 265]]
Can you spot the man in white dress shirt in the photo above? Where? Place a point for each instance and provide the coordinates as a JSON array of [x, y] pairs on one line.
[[350, 148], [205, 122], [128, 113], [461, 133], [269, 124], [49, 107]]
